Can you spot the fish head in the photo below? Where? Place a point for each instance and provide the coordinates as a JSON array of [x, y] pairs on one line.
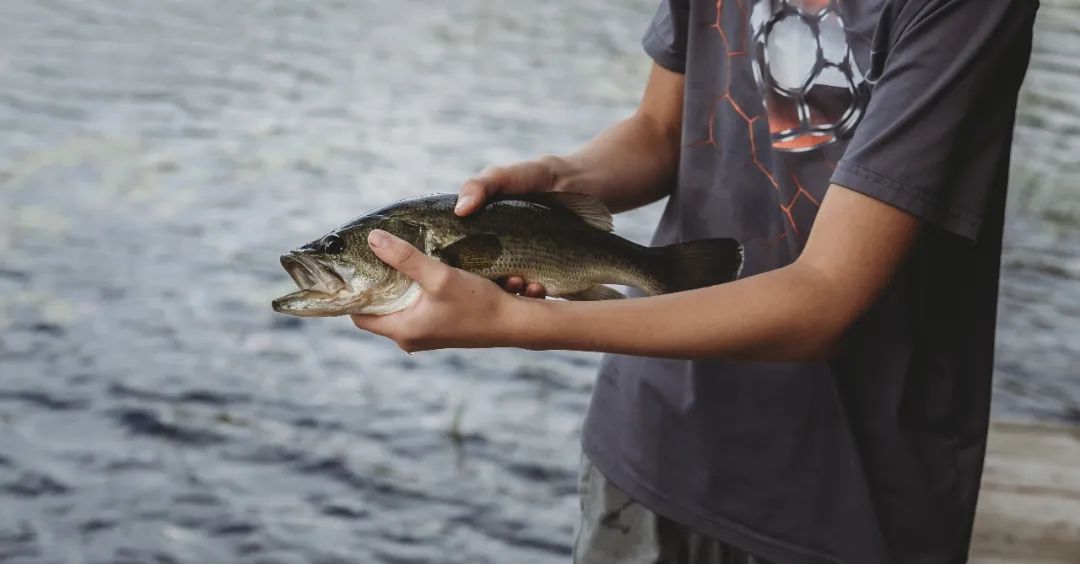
[[339, 274]]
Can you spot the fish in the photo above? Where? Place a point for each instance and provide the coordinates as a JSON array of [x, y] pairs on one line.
[[561, 240]]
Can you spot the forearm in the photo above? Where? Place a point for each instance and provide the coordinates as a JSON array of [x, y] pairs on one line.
[[799, 312], [784, 315], [627, 166]]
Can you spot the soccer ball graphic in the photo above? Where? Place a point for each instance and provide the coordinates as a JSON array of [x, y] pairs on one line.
[[814, 90]]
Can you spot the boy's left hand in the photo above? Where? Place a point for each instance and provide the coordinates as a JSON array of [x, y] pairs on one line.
[[455, 309]]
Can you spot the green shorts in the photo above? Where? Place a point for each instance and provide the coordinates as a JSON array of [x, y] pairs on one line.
[[615, 529]]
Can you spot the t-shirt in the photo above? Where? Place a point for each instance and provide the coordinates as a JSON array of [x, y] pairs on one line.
[[876, 454]]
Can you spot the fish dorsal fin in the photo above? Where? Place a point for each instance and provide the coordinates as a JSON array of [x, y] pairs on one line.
[[472, 252], [588, 208]]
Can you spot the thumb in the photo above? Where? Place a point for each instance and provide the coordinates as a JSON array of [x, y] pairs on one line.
[[479, 188], [405, 258]]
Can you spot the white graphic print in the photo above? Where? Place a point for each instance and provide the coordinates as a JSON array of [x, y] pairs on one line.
[[813, 88]]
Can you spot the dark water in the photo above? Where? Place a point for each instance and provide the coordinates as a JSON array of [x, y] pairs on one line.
[[1038, 352], [155, 159]]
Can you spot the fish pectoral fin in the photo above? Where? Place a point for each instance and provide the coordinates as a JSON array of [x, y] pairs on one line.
[[473, 252], [597, 292], [588, 208]]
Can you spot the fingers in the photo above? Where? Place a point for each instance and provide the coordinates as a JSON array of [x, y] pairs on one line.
[[534, 290], [478, 189], [514, 284], [408, 260], [389, 326], [517, 285], [471, 198], [521, 178], [374, 323]]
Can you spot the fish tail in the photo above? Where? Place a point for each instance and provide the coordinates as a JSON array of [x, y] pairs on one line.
[[697, 264]]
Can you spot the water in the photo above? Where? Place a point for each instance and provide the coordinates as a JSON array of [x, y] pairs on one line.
[[1038, 351], [155, 159]]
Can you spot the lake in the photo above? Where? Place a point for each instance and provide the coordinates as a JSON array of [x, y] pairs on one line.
[[157, 157]]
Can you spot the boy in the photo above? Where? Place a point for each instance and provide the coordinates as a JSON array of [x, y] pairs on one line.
[[832, 405]]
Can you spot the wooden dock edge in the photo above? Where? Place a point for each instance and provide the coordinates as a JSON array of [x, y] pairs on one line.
[[1029, 504]]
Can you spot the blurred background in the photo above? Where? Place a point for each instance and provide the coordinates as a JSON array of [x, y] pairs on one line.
[[156, 157]]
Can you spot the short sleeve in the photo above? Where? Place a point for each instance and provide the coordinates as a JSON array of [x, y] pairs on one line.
[[936, 135], [665, 40]]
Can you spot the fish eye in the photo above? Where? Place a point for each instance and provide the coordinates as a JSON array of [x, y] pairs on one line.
[[333, 244]]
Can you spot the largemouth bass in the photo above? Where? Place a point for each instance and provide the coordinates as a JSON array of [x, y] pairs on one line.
[[560, 240]]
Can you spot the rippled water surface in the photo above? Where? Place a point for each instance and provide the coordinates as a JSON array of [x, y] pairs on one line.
[[155, 159]]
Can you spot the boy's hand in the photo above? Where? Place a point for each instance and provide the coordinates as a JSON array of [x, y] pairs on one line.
[[456, 308], [528, 177]]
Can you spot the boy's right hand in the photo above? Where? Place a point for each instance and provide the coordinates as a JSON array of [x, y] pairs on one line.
[[526, 177]]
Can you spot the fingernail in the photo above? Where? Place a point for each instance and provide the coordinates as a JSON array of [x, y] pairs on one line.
[[463, 202], [378, 238]]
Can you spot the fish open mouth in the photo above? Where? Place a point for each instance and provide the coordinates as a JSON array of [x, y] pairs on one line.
[[322, 291], [310, 276]]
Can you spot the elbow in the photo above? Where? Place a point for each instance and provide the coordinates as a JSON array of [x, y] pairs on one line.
[[810, 341], [823, 339], [816, 345], [828, 314], [823, 350]]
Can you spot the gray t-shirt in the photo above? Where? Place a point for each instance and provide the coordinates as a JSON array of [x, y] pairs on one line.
[[876, 455]]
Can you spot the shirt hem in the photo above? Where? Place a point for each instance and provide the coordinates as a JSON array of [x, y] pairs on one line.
[[719, 528]]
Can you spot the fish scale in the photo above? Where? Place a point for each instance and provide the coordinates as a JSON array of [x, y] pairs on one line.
[[554, 247]]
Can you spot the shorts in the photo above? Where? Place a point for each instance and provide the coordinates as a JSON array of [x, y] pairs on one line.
[[615, 529]]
